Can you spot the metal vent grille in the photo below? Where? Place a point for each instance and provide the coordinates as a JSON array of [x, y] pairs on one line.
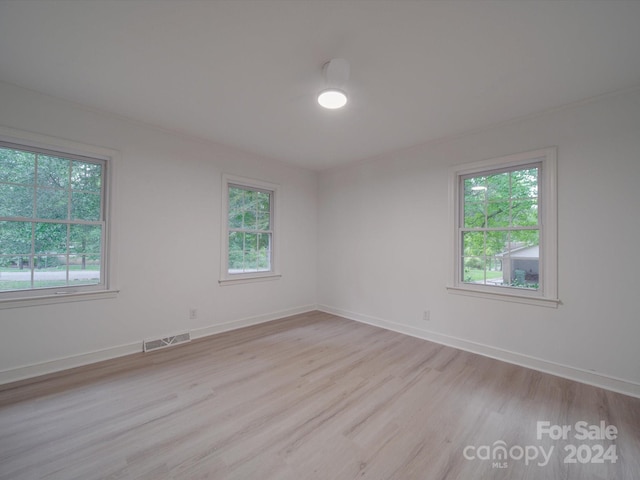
[[166, 341]]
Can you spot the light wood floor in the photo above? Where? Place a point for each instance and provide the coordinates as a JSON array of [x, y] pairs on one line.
[[309, 397]]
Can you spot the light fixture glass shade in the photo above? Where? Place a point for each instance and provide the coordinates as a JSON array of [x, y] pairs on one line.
[[332, 98]]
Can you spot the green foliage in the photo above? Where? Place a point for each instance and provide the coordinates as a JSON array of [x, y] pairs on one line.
[[51, 238], [15, 238], [17, 166], [86, 177], [249, 209], [85, 239], [249, 251], [507, 199]]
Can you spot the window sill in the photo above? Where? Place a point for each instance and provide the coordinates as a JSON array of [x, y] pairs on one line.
[[59, 298], [506, 297], [238, 281]]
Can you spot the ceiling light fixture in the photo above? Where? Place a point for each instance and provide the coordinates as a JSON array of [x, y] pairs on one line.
[[332, 98], [336, 73]]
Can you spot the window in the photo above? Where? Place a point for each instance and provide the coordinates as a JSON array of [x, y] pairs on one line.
[[505, 228], [249, 238], [53, 222]]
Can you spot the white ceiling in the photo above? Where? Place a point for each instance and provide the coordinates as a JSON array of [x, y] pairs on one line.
[[245, 73]]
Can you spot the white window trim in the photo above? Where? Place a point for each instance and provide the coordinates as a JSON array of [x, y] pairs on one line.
[[249, 277], [107, 289], [547, 295]]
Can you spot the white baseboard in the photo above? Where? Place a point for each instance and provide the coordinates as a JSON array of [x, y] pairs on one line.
[[572, 373], [57, 365], [247, 322]]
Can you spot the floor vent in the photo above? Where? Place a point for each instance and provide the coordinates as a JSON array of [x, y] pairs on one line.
[[166, 341]]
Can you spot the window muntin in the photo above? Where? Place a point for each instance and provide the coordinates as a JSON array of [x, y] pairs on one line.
[[52, 222], [250, 232], [500, 228]]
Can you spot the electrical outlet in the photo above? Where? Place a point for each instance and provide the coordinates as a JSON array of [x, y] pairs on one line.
[[193, 313], [426, 315]]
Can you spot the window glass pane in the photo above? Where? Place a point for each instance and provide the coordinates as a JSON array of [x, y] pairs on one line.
[[85, 206], [250, 200], [84, 269], [15, 238], [85, 239], [51, 263], [236, 202], [51, 238], [498, 214], [474, 270], [249, 220], [524, 259], [52, 204], [15, 273], [17, 166], [16, 201], [474, 214], [248, 209], [473, 243], [44, 277], [264, 251], [524, 213], [497, 242], [236, 198], [53, 172], [263, 220], [475, 189], [250, 252], [235, 218], [264, 200], [236, 251], [525, 273], [524, 238], [86, 176], [498, 187], [524, 183], [495, 273]]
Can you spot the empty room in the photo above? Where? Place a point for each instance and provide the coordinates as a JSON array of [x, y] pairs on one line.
[[319, 239]]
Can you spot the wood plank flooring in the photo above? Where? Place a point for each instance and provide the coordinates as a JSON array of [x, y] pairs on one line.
[[309, 397]]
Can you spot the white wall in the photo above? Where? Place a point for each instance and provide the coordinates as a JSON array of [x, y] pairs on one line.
[[384, 245], [168, 242]]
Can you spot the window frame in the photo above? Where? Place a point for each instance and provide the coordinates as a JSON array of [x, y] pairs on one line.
[[227, 278], [27, 141], [547, 293]]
